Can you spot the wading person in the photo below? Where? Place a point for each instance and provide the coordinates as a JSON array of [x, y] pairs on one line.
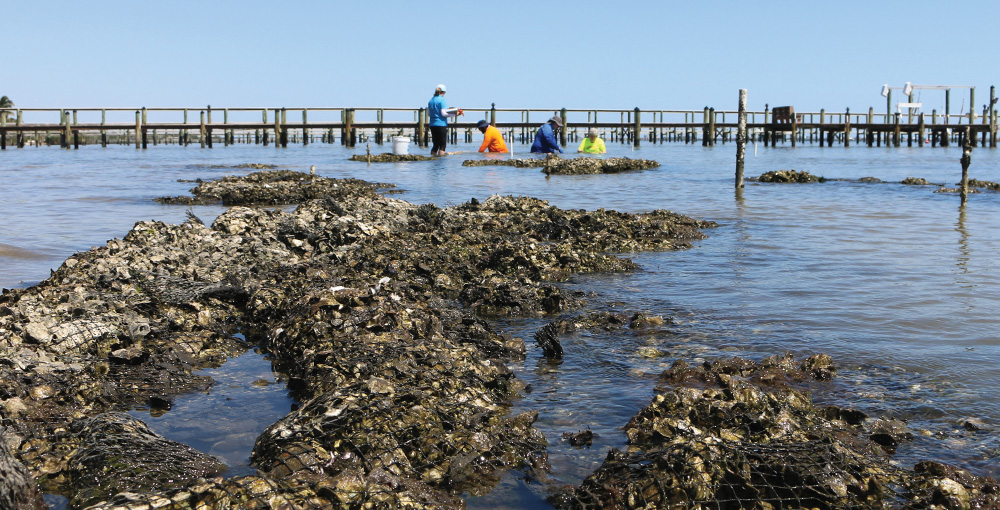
[[437, 114], [592, 144], [492, 140], [545, 137]]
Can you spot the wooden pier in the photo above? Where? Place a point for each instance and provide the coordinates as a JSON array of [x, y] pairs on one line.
[[207, 127]]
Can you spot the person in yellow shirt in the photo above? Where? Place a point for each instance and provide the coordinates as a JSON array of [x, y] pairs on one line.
[[592, 144], [493, 139]]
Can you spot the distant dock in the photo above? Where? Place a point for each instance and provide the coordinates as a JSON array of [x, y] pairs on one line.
[[278, 127]]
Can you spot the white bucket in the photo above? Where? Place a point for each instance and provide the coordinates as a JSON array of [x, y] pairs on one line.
[[400, 144]]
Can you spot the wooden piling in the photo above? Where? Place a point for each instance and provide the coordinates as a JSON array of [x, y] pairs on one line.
[[104, 133], [348, 128], [705, 133], [711, 127], [284, 127], [636, 128], [920, 130], [203, 130], [20, 134], [144, 141], [741, 138], [822, 116], [966, 161], [847, 128], [562, 132], [138, 129], [993, 116], [896, 131], [208, 128], [493, 114], [305, 127], [277, 128]]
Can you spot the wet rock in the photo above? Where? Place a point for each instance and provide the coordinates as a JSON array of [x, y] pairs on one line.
[[788, 176], [389, 157], [916, 181], [871, 180], [581, 438], [273, 187], [983, 184], [516, 162], [889, 433], [590, 165], [118, 453], [18, 488], [955, 190]]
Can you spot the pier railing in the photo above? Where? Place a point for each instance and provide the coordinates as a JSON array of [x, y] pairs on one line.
[[283, 125]]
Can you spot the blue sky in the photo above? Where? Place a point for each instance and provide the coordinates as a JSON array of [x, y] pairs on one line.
[[527, 54]]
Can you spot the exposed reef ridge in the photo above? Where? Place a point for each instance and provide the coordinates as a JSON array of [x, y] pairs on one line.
[[371, 307]]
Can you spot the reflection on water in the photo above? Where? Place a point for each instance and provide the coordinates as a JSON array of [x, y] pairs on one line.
[[879, 276]]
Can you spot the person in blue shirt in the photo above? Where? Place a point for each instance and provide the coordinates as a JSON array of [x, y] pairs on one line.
[[545, 137], [437, 114]]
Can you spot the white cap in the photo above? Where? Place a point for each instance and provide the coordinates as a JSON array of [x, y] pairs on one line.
[[441, 87]]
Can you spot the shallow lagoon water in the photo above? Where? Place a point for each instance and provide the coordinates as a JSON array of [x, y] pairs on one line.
[[898, 284]]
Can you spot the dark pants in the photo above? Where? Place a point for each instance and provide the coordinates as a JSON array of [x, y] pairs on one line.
[[439, 136]]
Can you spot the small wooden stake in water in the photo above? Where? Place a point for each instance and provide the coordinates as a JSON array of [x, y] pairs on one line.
[[741, 138], [966, 160], [312, 171], [368, 150]]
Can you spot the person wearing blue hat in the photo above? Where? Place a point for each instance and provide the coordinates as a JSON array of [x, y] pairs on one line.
[[437, 114], [492, 140]]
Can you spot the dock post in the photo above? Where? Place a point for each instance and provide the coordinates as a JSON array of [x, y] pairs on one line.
[[263, 115], [183, 140], [704, 128], [348, 128], [20, 133], [277, 128], [493, 114], [895, 131], [3, 130], [305, 126], [934, 132], [420, 128], [203, 130], [225, 130], [822, 115], [741, 138], [380, 133], [636, 128], [145, 143], [711, 127], [76, 133], [104, 132], [966, 160], [869, 134], [64, 139], [284, 127], [847, 128], [208, 128], [562, 132], [920, 130], [993, 117], [138, 129]]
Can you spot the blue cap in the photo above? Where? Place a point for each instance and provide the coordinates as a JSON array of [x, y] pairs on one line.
[[481, 124]]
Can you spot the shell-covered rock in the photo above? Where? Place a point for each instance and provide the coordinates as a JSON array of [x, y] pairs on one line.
[[788, 176]]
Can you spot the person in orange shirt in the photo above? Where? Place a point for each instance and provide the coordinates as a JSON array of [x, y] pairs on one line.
[[493, 139]]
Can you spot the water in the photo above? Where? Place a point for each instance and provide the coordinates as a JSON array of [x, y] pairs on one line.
[[899, 284]]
